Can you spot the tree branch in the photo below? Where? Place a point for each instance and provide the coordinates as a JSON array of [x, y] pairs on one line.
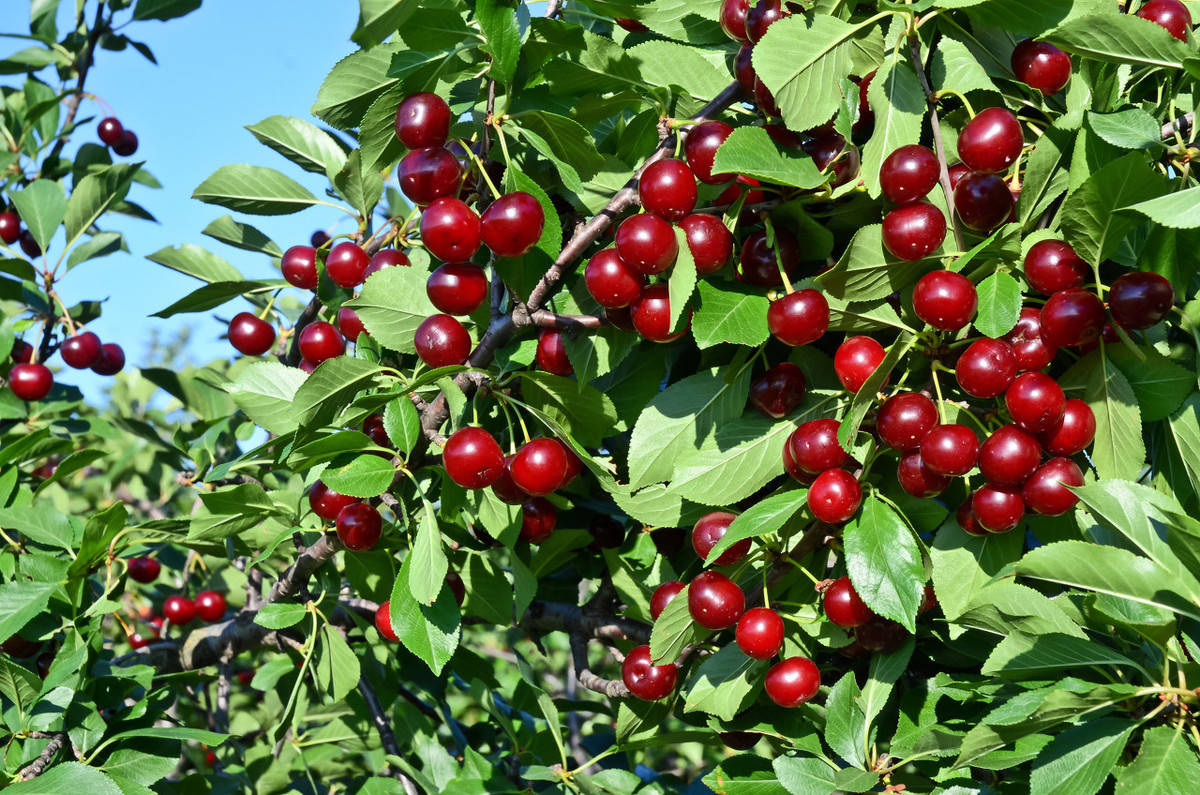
[[545, 319], [1183, 125], [39, 765], [914, 51], [386, 736], [613, 688], [85, 63]]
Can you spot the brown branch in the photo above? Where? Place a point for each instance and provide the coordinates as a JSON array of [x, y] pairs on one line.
[[1183, 125], [563, 617], [39, 765], [613, 688], [85, 64], [914, 51], [545, 319], [297, 576], [292, 357], [386, 736]]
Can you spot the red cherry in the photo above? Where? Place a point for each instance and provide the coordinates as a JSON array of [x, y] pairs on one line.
[[709, 241], [29, 245], [743, 69], [321, 341], [1041, 66], [919, 480], [110, 131], [359, 526], [793, 468], [814, 447], [513, 224], [383, 621], [1035, 401], [762, 15], [373, 427], [1046, 491], [793, 681], [210, 606], [1072, 317], [1073, 432], [759, 265], [138, 640], [457, 587], [904, 419], [450, 230], [1031, 350], [318, 238], [701, 145], [667, 188], [856, 360], [908, 174], [662, 596], [144, 569], [472, 458], [30, 381], [983, 201], [551, 355], [646, 680], [22, 352], [652, 315], [945, 300], [950, 450], [631, 25], [760, 633], [711, 529], [799, 318], [574, 464], [740, 183], [831, 148], [998, 509], [914, 231], [538, 517], [1170, 14], [127, 145], [834, 496], [844, 607], [991, 142], [423, 119], [350, 324], [346, 264], [956, 173], [179, 610], [306, 366], [986, 368], [540, 466], [733, 19], [610, 281], [504, 487], [386, 258], [1052, 265], [1140, 299], [82, 350], [111, 361], [426, 175], [457, 288], [715, 601], [299, 266], [327, 503], [965, 516], [1009, 456], [779, 391], [647, 243], [442, 341], [10, 227], [250, 335]]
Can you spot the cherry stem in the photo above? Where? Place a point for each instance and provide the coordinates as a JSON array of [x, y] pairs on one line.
[[482, 171], [787, 283], [270, 305]]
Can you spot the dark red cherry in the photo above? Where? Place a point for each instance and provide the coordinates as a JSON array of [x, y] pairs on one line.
[[743, 69], [179, 610], [386, 258], [991, 142], [551, 355], [909, 173], [110, 130], [423, 119], [1072, 317], [539, 467], [914, 231], [709, 242], [321, 341], [986, 368], [144, 569], [346, 264], [701, 145], [1031, 350], [647, 243], [814, 446], [1140, 299], [1046, 491], [620, 317], [327, 503], [22, 352], [458, 589], [306, 366], [30, 381], [350, 324], [945, 300], [759, 264], [762, 15], [538, 518], [1041, 66], [709, 530], [504, 487], [441, 341], [917, 479], [1170, 14], [359, 526], [631, 25], [610, 281], [318, 238], [667, 188], [865, 122], [299, 266], [793, 468], [1035, 401], [652, 315], [250, 335], [1052, 265], [760, 633], [513, 224], [29, 245], [715, 601], [956, 172], [127, 145], [844, 607], [645, 680], [793, 681], [662, 596], [965, 517], [834, 496], [799, 318], [111, 361], [904, 419], [779, 391], [1009, 456], [998, 509], [472, 458], [950, 450], [450, 230], [741, 183], [1073, 432], [856, 360], [10, 227], [457, 288], [830, 148], [140, 640], [983, 201], [733, 19], [210, 606], [383, 622], [82, 350], [373, 427]]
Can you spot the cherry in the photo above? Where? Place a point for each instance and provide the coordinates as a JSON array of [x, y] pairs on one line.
[[793, 468], [620, 317], [1046, 491], [914, 231], [1072, 317], [759, 265], [22, 352], [250, 335], [1026, 341], [986, 368], [383, 621], [551, 355], [998, 509], [647, 243], [505, 488], [30, 381], [179, 610], [1035, 401], [110, 131], [16, 646], [350, 324], [458, 588], [950, 450], [743, 69], [904, 419], [631, 25], [730, 194], [662, 596], [866, 117], [611, 282], [709, 241], [814, 447], [1073, 432], [513, 224], [834, 496], [539, 467], [1009, 456], [359, 526], [574, 464], [1041, 66], [538, 517], [909, 173], [1052, 265], [138, 640], [423, 119], [799, 318], [82, 350], [10, 227], [346, 264], [318, 238], [645, 680], [127, 145], [983, 201], [426, 175], [793, 681], [29, 245], [1140, 299], [450, 230], [442, 341], [945, 300], [144, 569], [457, 288], [779, 391], [965, 517], [917, 479], [111, 361], [740, 741], [709, 530], [762, 15], [831, 148], [1170, 14], [652, 315], [844, 607], [210, 606], [327, 503], [881, 635], [306, 366], [472, 458], [373, 427], [733, 19], [760, 633], [667, 188], [320, 341], [715, 601], [386, 258], [299, 266], [856, 360], [991, 142], [701, 145], [606, 532]]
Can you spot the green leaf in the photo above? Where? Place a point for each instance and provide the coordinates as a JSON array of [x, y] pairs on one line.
[[1165, 763], [42, 206], [94, 194], [353, 84], [335, 665], [674, 629], [585, 411], [359, 185], [1159, 384], [1118, 451], [1184, 432], [265, 391], [67, 777], [195, 261], [597, 354], [1045, 172], [1179, 210], [392, 304], [953, 66], [1090, 221], [667, 64], [42, 523], [427, 561], [139, 767], [100, 244], [164, 9], [331, 385], [19, 685], [498, 21], [243, 236], [378, 19], [1119, 38], [1081, 758], [730, 313], [304, 144], [1021, 654], [255, 190], [884, 563], [403, 424], [763, 518], [377, 132], [865, 272], [215, 294], [845, 723], [1004, 607], [802, 60], [1132, 128], [724, 684], [682, 281], [886, 670], [745, 774], [367, 475], [751, 151], [864, 399], [963, 564], [804, 775], [428, 631], [280, 615], [566, 141], [899, 104], [999, 305]]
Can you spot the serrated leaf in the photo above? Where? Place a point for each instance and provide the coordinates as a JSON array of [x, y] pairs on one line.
[[243, 236], [999, 305], [331, 385], [1179, 210], [393, 302], [865, 272], [763, 518], [1132, 128], [899, 104], [265, 391], [195, 261], [364, 476], [884, 563], [724, 684], [751, 151], [498, 21], [304, 144], [42, 205], [682, 281], [1160, 384], [674, 629], [1119, 38], [427, 558], [801, 60], [1118, 450], [1090, 221], [402, 424], [1081, 758], [280, 615], [668, 64], [94, 194], [428, 631], [1165, 763], [585, 411], [334, 664], [353, 84], [730, 313]]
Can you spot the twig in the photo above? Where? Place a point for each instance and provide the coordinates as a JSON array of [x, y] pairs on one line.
[[613, 688], [85, 63], [545, 319], [39, 765], [386, 736], [562, 617], [1183, 124], [221, 718], [943, 170]]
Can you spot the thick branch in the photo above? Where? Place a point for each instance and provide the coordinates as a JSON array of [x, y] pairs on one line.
[[545, 319], [563, 617], [39, 765], [386, 736], [1183, 125], [613, 688]]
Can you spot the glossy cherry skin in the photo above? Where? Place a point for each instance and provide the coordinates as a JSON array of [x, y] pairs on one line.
[[759, 265], [210, 606], [991, 142], [29, 245], [709, 242], [965, 517], [30, 381], [513, 224], [779, 391], [505, 488], [743, 69], [383, 622], [647, 243], [662, 596], [551, 355], [733, 19], [1052, 265], [538, 518], [667, 188], [450, 230], [799, 318], [110, 130], [652, 315], [1140, 299], [457, 288], [844, 607], [830, 148], [1046, 492], [945, 300], [318, 238], [914, 231], [908, 174], [82, 350], [22, 352], [249, 334], [1009, 456], [1031, 350], [373, 427], [539, 467], [834, 497], [793, 681], [715, 601], [856, 360], [321, 341], [1170, 14], [299, 266], [1073, 432], [1041, 66], [986, 368], [346, 264], [359, 526], [983, 201], [917, 479], [386, 258], [956, 173], [179, 610], [904, 419], [426, 175], [144, 569], [760, 633], [327, 503], [998, 509], [645, 680], [1035, 401], [709, 530], [950, 450], [111, 361], [610, 281], [814, 447], [762, 15], [10, 227], [350, 324], [127, 145], [423, 119], [1072, 317], [472, 458], [701, 145], [442, 341]]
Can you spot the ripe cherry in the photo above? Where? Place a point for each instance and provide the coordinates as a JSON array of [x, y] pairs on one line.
[[945, 300], [759, 265], [998, 509], [908, 174], [359, 526], [111, 361], [965, 517], [472, 458], [539, 467], [991, 142], [647, 243], [29, 245], [30, 381], [986, 368], [513, 224], [651, 315], [856, 360], [350, 324], [701, 145], [144, 569], [715, 601], [762, 15], [610, 281], [831, 148], [299, 266], [1009, 456], [1140, 299], [249, 334], [709, 530], [346, 264], [1035, 401], [82, 350], [1073, 432], [458, 589], [646, 680], [441, 341], [631, 25], [779, 391], [320, 341], [834, 496], [127, 145], [1052, 265], [740, 184], [662, 596], [22, 352], [1173, 15], [374, 428], [179, 610], [318, 238], [904, 419], [733, 19], [538, 518], [383, 622], [574, 464], [10, 227], [793, 681], [914, 231], [457, 288], [814, 447], [110, 130], [423, 119], [504, 487], [709, 242], [667, 188], [950, 450], [210, 606], [386, 258], [1041, 66], [551, 355], [1031, 350], [917, 479], [450, 230], [983, 201], [1046, 491], [844, 607], [799, 318], [1072, 317], [327, 503], [760, 633], [426, 175]]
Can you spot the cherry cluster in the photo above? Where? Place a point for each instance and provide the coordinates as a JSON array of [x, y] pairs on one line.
[[32, 380], [11, 232], [117, 137], [208, 606]]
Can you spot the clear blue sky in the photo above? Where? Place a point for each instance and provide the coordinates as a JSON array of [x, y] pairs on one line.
[[229, 64]]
